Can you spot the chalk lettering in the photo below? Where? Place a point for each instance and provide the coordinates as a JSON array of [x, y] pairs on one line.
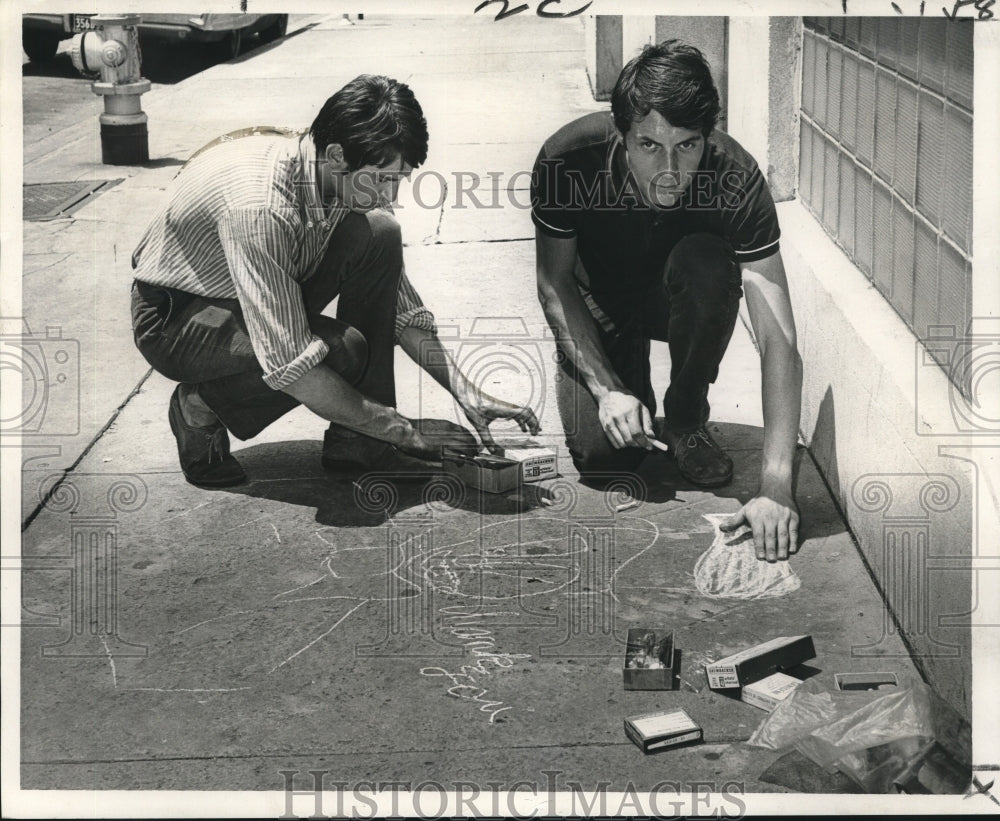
[[478, 641]]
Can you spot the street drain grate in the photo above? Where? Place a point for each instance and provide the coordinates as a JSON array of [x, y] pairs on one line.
[[48, 200]]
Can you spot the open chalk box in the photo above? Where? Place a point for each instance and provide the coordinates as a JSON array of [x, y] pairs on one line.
[[865, 681], [488, 473], [649, 659]]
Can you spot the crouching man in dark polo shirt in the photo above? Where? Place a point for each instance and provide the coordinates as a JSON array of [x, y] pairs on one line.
[[650, 224], [258, 236]]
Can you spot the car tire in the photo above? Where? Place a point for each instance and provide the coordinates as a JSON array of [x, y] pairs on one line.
[[229, 47], [40, 46], [276, 30]]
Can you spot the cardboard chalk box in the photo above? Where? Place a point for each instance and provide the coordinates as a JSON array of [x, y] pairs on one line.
[[865, 681], [488, 473], [760, 661], [652, 732], [769, 692], [536, 463], [649, 659]]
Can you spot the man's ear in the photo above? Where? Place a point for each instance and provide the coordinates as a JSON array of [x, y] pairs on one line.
[[334, 154]]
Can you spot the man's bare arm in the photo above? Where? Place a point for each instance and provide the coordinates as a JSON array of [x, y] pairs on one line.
[[625, 419], [772, 513], [327, 394], [424, 348]]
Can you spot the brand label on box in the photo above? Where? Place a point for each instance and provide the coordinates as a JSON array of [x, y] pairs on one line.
[[760, 661], [674, 741], [650, 725], [654, 731], [536, 463], [769, 692], [721, 677]]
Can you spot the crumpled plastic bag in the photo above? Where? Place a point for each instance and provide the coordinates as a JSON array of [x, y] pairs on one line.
[[870, 736], [733, 571]]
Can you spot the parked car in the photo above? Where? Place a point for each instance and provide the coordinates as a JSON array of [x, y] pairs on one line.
[[224, 33]]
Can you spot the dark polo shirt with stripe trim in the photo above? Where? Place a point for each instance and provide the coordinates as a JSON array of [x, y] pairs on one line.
[[581, 188]]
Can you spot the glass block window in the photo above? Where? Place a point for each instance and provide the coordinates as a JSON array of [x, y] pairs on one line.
[[885, 156]]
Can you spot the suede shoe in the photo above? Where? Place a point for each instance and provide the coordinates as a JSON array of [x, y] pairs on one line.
[[204, 452], [700, 460]]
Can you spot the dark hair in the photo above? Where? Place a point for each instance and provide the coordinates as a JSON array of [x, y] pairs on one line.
[[373, 118], [671, 78]]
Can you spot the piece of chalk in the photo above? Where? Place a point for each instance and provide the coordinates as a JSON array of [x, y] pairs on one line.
[[656, 443]]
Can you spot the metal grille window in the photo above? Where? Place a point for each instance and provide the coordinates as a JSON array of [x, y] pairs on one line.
[[885, 156]]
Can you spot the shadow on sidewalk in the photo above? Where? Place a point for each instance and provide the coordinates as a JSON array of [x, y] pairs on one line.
[[290, 472]]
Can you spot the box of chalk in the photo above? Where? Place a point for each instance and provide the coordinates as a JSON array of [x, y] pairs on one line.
[[536, 462], [865, 681], [649, 659], [652, 732], [769, 692], [759, 661], [488, 473]]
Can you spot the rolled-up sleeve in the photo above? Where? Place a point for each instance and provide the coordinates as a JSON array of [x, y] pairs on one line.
[[259, 245], [410, 310]]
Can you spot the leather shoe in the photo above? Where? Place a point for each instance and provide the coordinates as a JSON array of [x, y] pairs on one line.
[[700, 460], [203, 451]]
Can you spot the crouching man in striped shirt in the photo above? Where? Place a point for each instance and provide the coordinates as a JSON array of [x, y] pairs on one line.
[[259, 235]]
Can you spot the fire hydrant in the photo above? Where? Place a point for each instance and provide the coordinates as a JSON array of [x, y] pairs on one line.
[[111, 50]]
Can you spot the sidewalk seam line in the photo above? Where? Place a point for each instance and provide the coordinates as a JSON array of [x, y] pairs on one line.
[[334, 754], [90, 446]]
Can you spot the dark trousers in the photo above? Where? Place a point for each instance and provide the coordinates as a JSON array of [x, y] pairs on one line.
[[693, 308], [204, 341]]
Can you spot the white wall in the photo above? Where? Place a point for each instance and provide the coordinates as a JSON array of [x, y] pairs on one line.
[[878, 417]]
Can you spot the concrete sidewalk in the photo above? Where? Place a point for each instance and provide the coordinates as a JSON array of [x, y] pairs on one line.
[[303, 622]]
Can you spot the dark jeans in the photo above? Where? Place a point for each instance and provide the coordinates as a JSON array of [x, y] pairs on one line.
[[204, 341], [693, 309]]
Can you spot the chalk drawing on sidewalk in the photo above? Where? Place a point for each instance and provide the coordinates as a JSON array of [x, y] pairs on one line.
[[477, 640], [730, 569], [459, 570]]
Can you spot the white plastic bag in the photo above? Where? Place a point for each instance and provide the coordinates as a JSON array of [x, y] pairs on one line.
[[870, 736], [733, 571]]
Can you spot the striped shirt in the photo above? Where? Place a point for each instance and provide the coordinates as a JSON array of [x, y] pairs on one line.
[[245, 221]]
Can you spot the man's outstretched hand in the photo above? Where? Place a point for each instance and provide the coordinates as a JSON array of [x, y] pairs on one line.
[[481, 409], [428, 439], [774, 520]]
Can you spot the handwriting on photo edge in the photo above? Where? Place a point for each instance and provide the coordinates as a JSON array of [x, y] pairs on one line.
[[982, 9], [541, 11]]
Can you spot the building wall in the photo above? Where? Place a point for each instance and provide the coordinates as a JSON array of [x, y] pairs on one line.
[[613, 40], [878, 410], [886, 156]]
